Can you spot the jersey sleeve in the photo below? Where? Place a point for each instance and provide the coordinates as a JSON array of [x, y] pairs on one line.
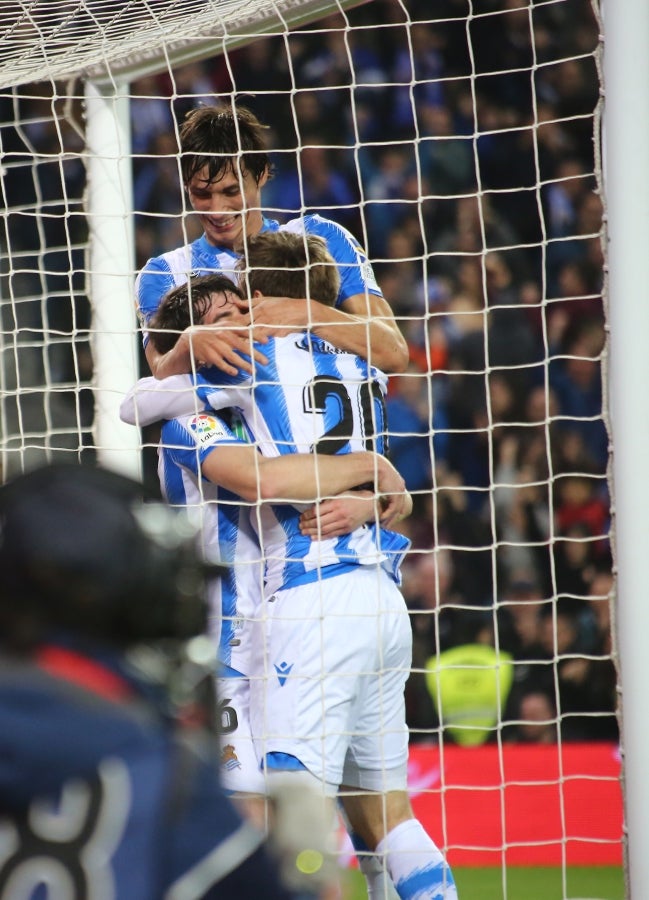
[[190, 439], [218, 390], [152, 283], [354, 267], [152, 399]]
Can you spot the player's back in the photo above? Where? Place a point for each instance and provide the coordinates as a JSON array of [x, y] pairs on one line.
[[309, 397]]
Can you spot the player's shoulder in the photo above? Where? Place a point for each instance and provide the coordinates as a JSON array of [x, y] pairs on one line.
[[314, 223], [195, 258], [169, 261]]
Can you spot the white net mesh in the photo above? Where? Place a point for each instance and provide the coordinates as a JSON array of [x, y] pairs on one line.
[[126, 38], [459, 142]]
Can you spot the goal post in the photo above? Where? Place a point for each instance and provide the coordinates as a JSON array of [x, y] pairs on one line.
[[626, 151], [111, 266]]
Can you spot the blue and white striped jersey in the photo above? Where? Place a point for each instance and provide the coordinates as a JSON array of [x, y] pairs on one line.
[[225, 528], [162, 273], [309, 397]]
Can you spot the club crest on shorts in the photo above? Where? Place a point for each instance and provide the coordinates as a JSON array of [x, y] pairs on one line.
[[229, 758]]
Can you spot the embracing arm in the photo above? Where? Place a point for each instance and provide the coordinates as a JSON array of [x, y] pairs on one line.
[[346, 512], [365, 327], [150, 400], [376, 331], [297, 477], [227, 346]]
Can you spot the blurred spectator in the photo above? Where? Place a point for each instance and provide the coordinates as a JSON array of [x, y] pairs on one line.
[[416, 426], [469, 686], [440, 621], [445, 159], [600, 597], [519, 616], [563, 195], [576, 378], [533, 720], [417, 71], [151, 115], [315, 185]]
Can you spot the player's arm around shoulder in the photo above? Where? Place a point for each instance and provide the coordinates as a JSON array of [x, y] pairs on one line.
[[378, 337], [229, 346], [372, 331], [150, 400], [386, 505], [364, 325]]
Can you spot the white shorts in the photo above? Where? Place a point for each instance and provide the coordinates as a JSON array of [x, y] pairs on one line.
[[239, 769], [329, 689]]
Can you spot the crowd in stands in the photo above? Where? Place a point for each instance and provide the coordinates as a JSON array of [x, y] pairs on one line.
[[464, 160]]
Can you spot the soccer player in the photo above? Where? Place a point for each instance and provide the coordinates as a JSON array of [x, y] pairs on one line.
[[337, 637], [108, 782], [225, 164], [203, 461]]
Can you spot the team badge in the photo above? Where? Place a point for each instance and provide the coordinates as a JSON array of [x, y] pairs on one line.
[[229, 758], [206, 428]]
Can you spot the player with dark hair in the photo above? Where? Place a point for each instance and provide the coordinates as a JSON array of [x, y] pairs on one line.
[[108, 773], [224, 165], [206, 465], [337, 635]]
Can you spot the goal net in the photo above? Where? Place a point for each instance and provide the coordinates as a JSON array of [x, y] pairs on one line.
[[459, 142]]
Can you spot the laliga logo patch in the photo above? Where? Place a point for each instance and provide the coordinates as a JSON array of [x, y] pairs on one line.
[[205, 428]]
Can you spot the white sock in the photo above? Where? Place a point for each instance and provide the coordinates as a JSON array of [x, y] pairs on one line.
[[416, 866], [379, 884]]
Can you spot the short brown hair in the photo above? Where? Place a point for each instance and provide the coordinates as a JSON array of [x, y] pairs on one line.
[[185, 305], [285, 264], [214, 136]]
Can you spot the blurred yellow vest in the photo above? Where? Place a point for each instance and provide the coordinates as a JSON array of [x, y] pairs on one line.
[[469, 686]]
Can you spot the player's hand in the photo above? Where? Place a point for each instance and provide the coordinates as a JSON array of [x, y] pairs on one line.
[[228, 345], [396, 502], [339, 515]]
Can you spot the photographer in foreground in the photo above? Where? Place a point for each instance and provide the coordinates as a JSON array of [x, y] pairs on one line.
[[108, 754]]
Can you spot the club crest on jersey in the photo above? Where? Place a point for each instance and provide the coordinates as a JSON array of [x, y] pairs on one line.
[[205, 428]]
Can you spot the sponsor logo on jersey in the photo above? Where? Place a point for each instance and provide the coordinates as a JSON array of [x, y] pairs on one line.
[[283, 671], [206, 428], [310, 343]]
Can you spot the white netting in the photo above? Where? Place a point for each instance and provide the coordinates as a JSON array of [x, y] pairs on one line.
[[459, 142], [61, 39]]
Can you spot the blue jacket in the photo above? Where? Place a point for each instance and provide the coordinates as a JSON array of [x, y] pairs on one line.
[[99, 787]]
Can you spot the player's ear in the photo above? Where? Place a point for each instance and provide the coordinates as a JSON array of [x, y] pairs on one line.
[[256, 295], [264, 177]]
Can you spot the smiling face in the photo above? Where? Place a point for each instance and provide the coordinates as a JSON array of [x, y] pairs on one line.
[[228, 208]]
